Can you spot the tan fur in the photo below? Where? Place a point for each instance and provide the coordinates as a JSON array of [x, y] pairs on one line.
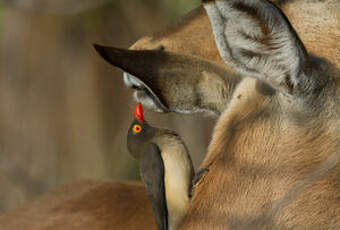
[[256, 158], [87, 204], [316, 22], [192, 35], [277, 173], [318, 25]]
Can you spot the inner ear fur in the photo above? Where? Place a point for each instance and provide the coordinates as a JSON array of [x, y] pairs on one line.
[[256, 39]]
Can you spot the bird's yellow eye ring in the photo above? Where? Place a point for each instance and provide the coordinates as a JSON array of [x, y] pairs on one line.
[[137, 128]]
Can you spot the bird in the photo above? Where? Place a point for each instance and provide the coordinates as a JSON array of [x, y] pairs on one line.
[[165, 167]]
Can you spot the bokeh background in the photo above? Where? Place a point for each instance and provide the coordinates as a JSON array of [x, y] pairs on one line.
[[64, 112]]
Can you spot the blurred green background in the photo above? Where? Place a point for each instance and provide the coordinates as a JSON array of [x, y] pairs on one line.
[[64, 112]]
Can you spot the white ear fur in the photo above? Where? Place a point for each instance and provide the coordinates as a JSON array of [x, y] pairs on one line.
[[255, 38]]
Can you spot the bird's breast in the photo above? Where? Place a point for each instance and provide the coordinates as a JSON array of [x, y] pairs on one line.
[[177, 180]]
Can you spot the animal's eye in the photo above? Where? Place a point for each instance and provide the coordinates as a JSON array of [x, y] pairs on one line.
[[137, 128]]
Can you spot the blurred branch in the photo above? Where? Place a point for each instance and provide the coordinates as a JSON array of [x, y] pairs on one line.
[[57, 7]]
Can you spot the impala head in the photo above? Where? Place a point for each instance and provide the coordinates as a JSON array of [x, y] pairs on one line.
[[273, 161], [181, 69], [178, 69], [276, 146]]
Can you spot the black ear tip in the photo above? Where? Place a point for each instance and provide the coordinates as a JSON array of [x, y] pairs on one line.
[[100, 49], [97, 47]]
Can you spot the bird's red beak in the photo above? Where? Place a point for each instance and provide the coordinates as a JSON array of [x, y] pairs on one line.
[[139, 113]]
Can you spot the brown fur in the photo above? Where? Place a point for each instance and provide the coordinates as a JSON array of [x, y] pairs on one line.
[[271, 165], [268, 171], [87, 204], [192, 35]]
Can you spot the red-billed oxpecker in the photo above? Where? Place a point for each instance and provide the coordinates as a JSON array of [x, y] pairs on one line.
[[165, 168]]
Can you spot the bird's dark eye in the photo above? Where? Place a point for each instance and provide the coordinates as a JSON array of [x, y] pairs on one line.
[[137, 128]]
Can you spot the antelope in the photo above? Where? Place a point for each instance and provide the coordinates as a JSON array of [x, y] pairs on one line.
[[273, 162], [257, 118], [86, 204]]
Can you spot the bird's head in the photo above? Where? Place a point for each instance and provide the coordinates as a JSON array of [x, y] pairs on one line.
[[140, 133]]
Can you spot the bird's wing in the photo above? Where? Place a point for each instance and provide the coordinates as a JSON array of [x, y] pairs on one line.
[[152, 173]]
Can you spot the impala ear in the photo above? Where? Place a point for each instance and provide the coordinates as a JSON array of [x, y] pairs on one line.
[[166, 81], [145, 65], [256, 39]]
